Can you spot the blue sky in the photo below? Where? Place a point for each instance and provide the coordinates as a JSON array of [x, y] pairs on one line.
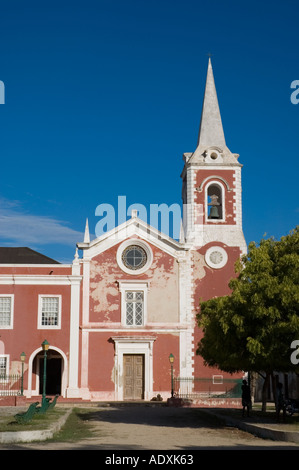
[[102, 98]]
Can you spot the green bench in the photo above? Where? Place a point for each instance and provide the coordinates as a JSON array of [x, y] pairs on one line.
[[47, 404], [44, 406], [22, 418]]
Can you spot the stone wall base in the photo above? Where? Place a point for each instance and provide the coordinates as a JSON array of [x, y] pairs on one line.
[[13, 401]]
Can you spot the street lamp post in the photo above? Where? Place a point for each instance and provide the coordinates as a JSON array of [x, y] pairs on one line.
[[171, 359], [45, 346], [22, 356]]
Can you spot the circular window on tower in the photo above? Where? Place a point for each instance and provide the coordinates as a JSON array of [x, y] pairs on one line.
[[216, 257], [134, 256]]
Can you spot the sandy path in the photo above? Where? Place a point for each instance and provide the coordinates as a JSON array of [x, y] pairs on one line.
[[159, 428]]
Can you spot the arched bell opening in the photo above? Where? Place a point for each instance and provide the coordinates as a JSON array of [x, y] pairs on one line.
[[215, 202]]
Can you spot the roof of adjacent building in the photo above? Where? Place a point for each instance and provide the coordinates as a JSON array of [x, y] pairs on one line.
[[23, 255]]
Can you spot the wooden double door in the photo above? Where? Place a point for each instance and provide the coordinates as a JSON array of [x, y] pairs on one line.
[[133, 376]]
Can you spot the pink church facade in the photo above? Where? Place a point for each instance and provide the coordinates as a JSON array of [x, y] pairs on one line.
[[131, 295]]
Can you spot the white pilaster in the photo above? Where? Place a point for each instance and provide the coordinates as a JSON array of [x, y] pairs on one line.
[[73, 389]]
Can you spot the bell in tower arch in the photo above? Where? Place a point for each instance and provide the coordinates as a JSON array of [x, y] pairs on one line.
[[214, 212]]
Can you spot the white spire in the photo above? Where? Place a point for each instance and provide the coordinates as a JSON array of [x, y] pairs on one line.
[[211, 130], [86, 234]]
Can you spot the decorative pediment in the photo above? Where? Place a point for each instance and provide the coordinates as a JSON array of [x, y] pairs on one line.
[[132, 228]]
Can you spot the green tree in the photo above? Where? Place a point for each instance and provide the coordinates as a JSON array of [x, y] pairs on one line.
[[252, 328]]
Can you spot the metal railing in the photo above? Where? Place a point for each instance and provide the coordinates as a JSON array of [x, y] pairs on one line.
[[216, 387], [10, 385]]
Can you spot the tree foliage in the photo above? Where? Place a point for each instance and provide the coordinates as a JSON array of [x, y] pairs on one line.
[[252, 328]]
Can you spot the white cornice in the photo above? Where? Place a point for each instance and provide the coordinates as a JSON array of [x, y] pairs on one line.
[[39, 280], [151, 328], [35, 265]]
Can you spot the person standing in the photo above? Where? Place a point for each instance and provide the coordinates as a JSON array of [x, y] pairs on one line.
[[246, 398], [280, 404]]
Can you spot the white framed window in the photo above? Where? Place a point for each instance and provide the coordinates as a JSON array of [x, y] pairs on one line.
[[133, 303], [218, 379], [3, 366], [49, 312], [6, 311], [134, 308]]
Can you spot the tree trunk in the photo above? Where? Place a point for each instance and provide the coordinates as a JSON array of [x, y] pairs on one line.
[[274, 384], [265, 391], [253, 379]]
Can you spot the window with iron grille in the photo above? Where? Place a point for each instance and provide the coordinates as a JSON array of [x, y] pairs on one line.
[[134, 308], [5, 311], [3, 365], [50, 311]]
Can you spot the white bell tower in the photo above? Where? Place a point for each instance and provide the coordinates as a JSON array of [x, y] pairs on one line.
[[211, 178]]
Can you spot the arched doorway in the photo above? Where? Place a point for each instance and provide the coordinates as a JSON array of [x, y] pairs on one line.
[[57, 372], [54, 371]]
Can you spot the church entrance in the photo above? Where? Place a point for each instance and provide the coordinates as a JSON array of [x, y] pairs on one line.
[[133, 376]]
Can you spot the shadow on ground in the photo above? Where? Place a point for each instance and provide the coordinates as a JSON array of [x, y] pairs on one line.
[[165, 416]]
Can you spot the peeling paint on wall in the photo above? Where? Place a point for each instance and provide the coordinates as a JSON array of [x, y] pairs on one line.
[[199, 263], [104, 291], [16, 368], [163, 295]]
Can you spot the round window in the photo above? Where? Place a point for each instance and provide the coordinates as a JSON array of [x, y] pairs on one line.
[[216, 257], [214, 156], [134, 257]]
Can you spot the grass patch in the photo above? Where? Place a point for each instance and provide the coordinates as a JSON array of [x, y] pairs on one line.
[[77, 427], [39, 421]]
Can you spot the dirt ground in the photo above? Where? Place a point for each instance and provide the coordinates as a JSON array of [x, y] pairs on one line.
[[158, 428]]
